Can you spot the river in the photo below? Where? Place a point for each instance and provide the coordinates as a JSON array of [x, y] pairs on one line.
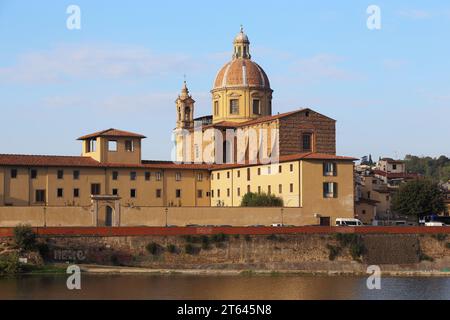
[[222, 287]]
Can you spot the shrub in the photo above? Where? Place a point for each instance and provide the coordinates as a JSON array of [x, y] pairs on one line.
[[353, 242], [191, 249], [237, 236], [333, 251], [43, 249], [24, 237], [172, 248], [251, 199], [9, 264], [220, 237], [425, 257], [154, 248], [192, 239]]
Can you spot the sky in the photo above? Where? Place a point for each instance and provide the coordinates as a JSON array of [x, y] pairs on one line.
[[388, 88]]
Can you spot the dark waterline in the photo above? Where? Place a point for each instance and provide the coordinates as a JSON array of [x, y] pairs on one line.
[[222, 287]]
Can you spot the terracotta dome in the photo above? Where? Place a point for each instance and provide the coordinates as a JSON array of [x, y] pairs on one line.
[[241, 73]]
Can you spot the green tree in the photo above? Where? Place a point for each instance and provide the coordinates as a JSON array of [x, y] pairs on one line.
[[418, 198], [24, 237], [251, 199]]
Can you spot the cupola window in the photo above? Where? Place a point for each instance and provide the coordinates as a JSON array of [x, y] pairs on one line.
[[256, 106], [234, 106]]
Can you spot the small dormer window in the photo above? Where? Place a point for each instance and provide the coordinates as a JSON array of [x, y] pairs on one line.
[[90, 145], [129, 145], [112, 145]]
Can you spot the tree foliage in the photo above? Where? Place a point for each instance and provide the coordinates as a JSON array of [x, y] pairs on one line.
[[437, 169], [251, 199], [419, 198], [24, 237]]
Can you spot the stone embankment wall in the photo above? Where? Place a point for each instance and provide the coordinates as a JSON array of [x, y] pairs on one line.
[[308, 252]]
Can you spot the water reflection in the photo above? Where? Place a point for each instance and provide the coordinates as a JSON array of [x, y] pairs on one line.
[[221, 287]]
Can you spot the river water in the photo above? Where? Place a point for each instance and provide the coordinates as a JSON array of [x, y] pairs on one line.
[[222, 287]]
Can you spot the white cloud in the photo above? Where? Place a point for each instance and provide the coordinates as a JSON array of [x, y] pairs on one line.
[[66, 62]]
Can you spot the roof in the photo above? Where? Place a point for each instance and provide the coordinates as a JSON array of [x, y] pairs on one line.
[[287, 158], [112, 133], [396, 175], [241, 72], [390, 160]]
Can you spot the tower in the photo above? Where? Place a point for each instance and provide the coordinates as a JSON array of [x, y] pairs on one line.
[[185, 109]]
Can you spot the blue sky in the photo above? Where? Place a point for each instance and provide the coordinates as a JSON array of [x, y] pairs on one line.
[[388, 89]]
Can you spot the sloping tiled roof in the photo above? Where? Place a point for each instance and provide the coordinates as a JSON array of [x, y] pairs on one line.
[[112, 133], [396, 175], [44, 161]]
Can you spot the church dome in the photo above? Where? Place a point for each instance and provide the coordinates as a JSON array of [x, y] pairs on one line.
[[241, 72]]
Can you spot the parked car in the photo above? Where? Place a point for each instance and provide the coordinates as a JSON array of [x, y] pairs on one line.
[[256, 225], [435, 224], [277, 225], [348, 222]]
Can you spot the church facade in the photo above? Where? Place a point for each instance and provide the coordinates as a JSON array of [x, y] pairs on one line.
[[241, 147]]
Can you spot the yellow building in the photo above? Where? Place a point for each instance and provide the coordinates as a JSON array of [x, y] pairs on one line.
[[110, 173]]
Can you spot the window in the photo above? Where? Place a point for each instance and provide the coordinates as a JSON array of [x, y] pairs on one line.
[[306, 142], [13, 173], [291, 167], [197, 151], [248, 188], [158, 176], [329, 169], [259, 189], [133, 175], [199, 193], [132, 193], [269, 190], [90, 145], [218, 175], [76, 193], [228, 192], [218, 193], [76, 174], [208, 193], [228, 174], [256, 107], [259, 171], [280, 169], [178, 193], [216, 108], [115, 175], [238, 192], [212, 193], [60, 174], [129, 145], [95, 189], [147, 176], [248, 174], [178, 176], [280, 188], [40, 195], [33, 173], [239, 173], [269, 170], [59, 192], [199, 176], [330, 189], [115, 192], [394, 167], [234, 106], [158, 193], [291, 187], [112, 145]]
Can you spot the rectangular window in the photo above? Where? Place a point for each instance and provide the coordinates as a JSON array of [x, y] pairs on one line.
[[330, 169], [40, 195], [248, 188], [13, 173], [269, 170], [238, 192], [76, 174], [394, 167], [199, 193], [228, 192], [129, 145], [330, 189], [280, 169], [280, 188], [178, 176], [158, 176], [132, 193], [291, 187], [158, 193], [60, 174], [95, 189], [76, 193], [178, 193], [91, 145], [59, 192], [291, 167], [200, 177], [33, 173], [115, 192], [216, 108], [234, 106], [212, 193], [228, 174], [259, 189], [239, 173], [133, 175], [218, 175], [269, 190], [248, 174], [306, 142], [147, 176], [112, 145], [218, 193], [259, 171], [115, 175], [208, 194], [256, 107]]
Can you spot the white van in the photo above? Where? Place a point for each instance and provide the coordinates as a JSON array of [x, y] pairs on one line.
[[348, 222]]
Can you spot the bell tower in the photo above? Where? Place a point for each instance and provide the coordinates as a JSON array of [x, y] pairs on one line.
[[185, 109]]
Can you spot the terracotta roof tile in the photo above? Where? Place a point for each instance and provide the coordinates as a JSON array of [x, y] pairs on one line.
[[112, 133]]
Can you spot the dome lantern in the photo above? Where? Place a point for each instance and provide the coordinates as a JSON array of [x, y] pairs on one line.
[[241, 46]]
